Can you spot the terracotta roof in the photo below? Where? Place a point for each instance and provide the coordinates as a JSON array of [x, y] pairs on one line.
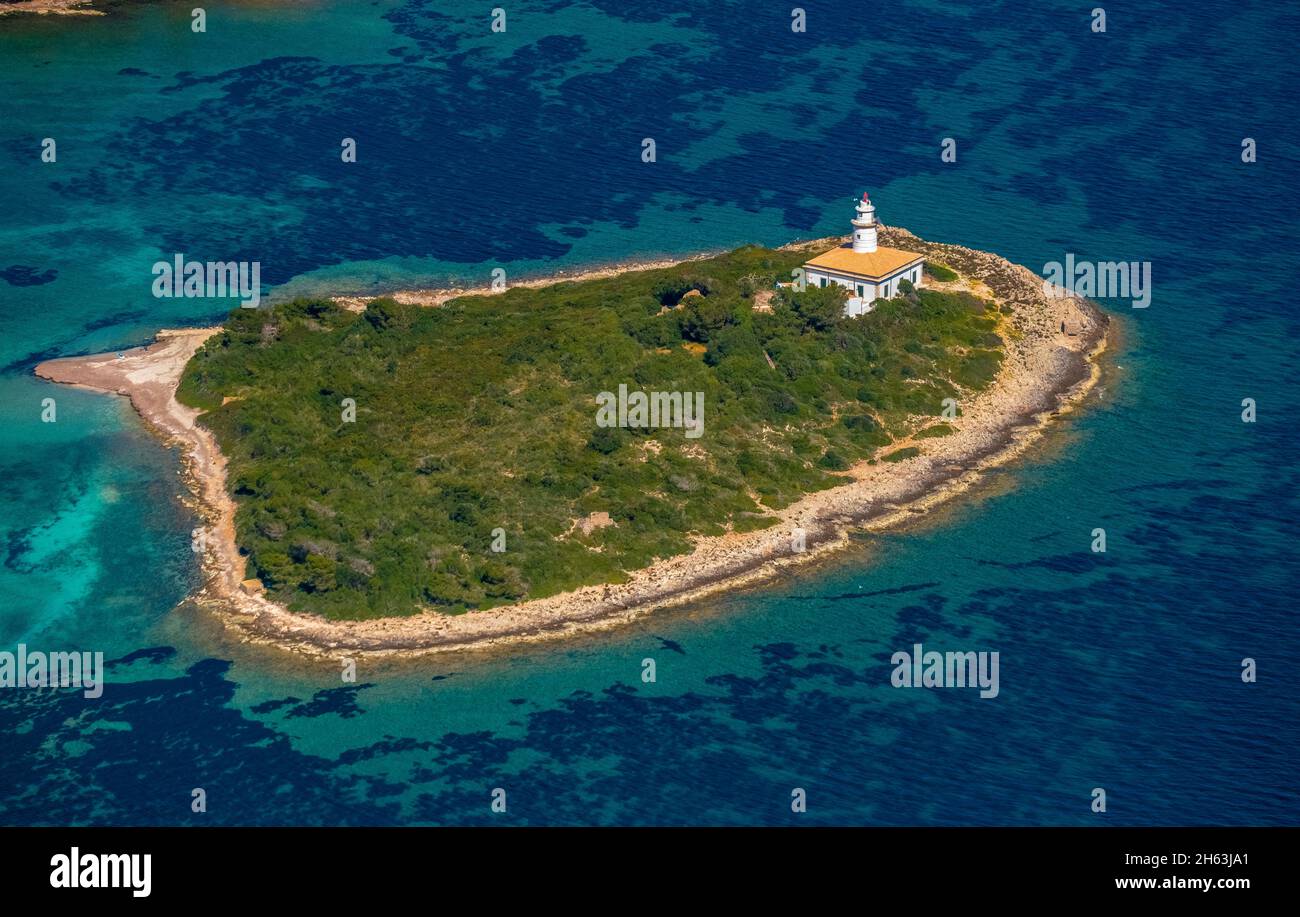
[[883, 262]]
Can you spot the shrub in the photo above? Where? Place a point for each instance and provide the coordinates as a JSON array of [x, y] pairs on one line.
[[940, 272], [606, 440], [832, 461], [861, 422], [901, 454]]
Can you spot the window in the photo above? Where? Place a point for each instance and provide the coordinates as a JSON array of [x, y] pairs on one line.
[[859, 289], [823, 281]]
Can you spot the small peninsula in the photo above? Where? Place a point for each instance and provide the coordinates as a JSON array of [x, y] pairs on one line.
[[425, 471]]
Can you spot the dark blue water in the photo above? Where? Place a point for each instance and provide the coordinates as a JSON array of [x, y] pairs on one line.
[[523, 150]]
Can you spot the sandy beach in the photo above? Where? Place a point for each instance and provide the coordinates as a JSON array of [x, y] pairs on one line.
[[1047, 372]]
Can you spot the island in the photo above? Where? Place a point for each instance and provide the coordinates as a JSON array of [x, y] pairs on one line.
[[441, 470]]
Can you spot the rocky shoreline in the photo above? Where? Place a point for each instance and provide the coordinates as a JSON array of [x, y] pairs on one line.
[[49, 7]]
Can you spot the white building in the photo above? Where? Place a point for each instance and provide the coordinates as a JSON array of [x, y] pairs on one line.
[[867, 270]]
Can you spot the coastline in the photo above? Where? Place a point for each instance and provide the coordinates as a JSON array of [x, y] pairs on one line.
[[50, 7], [1045, 373], [436, 296]]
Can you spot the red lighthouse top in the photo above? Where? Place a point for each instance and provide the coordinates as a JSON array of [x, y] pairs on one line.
[[864, 196]]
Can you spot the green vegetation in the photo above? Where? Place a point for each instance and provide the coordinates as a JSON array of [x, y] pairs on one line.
[[480, 415], [939, 429], [940, 272], [901, 454]]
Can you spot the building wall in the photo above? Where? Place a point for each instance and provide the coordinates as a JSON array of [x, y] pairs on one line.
[[869, 291], [816, 277]]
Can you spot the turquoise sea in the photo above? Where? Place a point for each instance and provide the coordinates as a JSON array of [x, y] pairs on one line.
[[522, 150]]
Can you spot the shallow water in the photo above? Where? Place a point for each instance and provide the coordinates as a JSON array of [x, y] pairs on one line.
[[522, 150]]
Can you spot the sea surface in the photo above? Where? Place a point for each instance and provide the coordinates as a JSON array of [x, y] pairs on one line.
[[1119, 670]]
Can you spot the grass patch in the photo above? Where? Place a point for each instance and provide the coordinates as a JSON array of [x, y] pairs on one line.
[[940, 272]]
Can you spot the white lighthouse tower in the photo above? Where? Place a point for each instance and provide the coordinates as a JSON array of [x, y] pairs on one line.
[[864, 226], [868, 271]]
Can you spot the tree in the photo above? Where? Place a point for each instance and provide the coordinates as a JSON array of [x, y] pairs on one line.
[[319, 572], [706, 316], [819, 308]]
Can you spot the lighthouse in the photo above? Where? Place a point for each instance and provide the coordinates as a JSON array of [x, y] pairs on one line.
[[864, 226], [866, 270]]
